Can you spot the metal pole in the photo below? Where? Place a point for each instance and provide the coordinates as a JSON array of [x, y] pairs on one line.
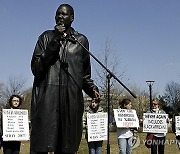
[[108, 111], [150, 83], [150, 95]]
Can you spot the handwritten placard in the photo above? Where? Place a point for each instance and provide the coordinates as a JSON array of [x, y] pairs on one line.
[[97, 126], [155, 123], [126, 118], [177, 124], [15, 125]]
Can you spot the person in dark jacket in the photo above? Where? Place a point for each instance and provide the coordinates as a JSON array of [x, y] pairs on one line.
[[13, 147], [61, 69], [158, 140]]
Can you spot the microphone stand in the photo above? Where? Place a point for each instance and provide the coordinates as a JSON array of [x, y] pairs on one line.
[[109, 76]]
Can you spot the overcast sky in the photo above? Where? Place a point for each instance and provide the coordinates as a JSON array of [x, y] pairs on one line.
[[144, 33]]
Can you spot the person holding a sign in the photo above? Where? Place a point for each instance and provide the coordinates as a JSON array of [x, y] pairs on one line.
[[125, 135], [62, 71], [95, 147], [13, 147], [176, 126], [158, 140]]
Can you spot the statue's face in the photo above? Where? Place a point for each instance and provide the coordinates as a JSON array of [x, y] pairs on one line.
[[64, 16]]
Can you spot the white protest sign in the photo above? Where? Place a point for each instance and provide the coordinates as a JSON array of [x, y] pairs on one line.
[[155, 123], [15, 125], [126, 118], [97, 126], [177, 124]]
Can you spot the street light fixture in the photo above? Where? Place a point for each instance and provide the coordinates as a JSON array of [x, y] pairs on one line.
[[150, 83]]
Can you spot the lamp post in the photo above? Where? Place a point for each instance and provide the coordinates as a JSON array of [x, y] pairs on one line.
[[150, 83]]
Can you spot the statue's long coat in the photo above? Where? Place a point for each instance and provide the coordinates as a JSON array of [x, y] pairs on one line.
[[61, 70]]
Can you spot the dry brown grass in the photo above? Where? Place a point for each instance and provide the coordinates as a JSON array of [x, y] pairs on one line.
[[170, 147]]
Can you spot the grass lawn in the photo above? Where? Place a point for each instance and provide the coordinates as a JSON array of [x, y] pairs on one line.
[[170, 146]]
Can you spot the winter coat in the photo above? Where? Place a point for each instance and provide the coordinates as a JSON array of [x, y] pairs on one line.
[[61, 70]]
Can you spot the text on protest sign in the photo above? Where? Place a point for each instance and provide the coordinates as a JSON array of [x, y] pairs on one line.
[[155, 123], [177, 125], [15, 125], [126, 118], [97, 126]]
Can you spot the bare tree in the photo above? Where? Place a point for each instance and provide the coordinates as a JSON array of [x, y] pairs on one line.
[[142, 103], [1, 89], [15, 85], [172, 94], [27, 95], [112, 61], [1, 95]]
